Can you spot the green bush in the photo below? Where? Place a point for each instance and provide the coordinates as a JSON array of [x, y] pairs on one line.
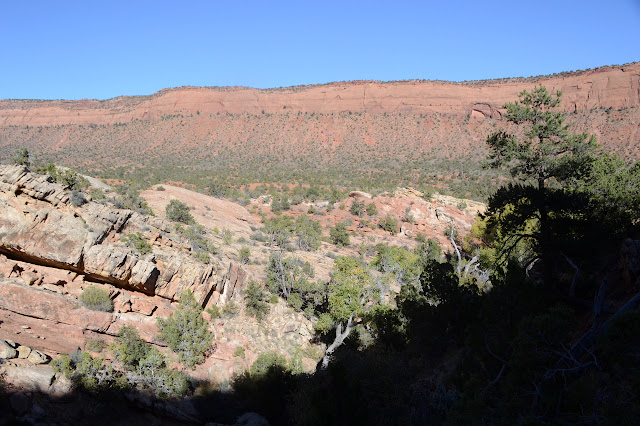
[[255, 301], [178, 211], [239, 352], [186, 332], [22, 157], [214, 311], [138, 242], [357, 208], [95, 345], [339, 235], [230, 310], [244, 255], [309, 233], [372, 210], [295, 301], [389, 224], [129, 348], [266, 362], [96, 299], [227, 237]]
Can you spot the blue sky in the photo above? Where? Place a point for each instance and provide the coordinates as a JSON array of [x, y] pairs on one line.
[[102, 49]]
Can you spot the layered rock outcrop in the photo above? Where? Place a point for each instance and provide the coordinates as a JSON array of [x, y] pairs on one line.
[[39, 224], [614, 86]]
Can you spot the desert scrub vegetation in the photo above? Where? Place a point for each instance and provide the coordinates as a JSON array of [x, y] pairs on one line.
[[339, 235], [94, 344], [244, 255], [177, 211], [389, 224], [138, 242], [127, 196], [186, 332], [255, 301], [96, 299], [201, 246]]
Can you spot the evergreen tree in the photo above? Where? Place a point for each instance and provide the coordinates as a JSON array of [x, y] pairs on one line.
[[544, 158], [186, 332]]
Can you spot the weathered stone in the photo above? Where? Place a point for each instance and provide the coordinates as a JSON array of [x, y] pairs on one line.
[[291, 327], [143, 306], [37, 357], [39, 225], [24, 352], [32, 378], [6, 351]]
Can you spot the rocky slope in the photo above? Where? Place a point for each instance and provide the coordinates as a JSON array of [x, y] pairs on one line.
[[340, 128], [53, 247], [40, 224]]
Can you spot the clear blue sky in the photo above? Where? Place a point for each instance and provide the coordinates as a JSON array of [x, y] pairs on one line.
[[102, 49]]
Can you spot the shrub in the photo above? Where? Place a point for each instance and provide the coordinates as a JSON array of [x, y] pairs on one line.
[[268, 361], [295, 301], [372, 210], [339, 235], [202, 257], [95, 345], [22, 157], [186, 332], [214, 311], [96, 299], [230, 309], [178, 211], [389, 224], [129, 348], [138, 242], [239, 352], [255, 301], [357, 208], [309, 233], [77, 199], [244, 255], [96, 194], [160, 188], [227, 237]]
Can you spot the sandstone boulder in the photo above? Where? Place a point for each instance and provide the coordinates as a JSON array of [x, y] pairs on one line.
[[37, 357], [7, 351], [24, 352]]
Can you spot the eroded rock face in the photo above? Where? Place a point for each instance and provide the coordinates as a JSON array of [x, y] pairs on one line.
[[38, 224]]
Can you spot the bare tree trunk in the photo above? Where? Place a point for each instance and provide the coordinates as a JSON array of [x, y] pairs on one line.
[[572, 289], [339, 340], [453, 242]]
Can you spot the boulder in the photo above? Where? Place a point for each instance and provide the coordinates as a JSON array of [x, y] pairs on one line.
[[6, 351], [32, 378], [24, 352], [37, 357]]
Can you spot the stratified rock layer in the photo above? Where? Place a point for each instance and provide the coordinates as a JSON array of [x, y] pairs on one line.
[[39, 224]]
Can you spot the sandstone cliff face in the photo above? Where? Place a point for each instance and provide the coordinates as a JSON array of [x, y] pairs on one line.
[[615, 87], [346, 126], [39, 224]]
